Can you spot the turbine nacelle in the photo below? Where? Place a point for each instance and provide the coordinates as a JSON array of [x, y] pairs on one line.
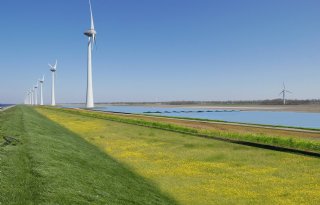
[[53, 68], [41, 80], [284, 90], [90, 33]]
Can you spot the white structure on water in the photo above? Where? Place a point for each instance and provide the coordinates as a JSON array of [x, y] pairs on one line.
[[91, 33], [53, 69]]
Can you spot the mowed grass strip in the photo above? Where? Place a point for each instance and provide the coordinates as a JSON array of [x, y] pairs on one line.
[[201, 171], [52, 165], [227, 132]]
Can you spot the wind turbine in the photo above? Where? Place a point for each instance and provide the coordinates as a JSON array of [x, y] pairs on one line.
[[41, 81], [53, 69], [30, 97], [36, 94], [26, 98], [32, 94], [91, 33], [283, 92]]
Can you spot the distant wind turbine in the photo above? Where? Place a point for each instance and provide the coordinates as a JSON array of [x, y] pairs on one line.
[[32, 94], [26, 98], [283, 92], [30, 97], [91, 33], [36, 94], [41, 81], [53, 69]]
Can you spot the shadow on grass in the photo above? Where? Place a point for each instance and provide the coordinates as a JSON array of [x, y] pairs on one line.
[[66, 169]]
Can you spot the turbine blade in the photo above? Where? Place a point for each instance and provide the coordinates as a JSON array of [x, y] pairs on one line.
[[93, 41], [55, 65], [92, 23], [50, 65]]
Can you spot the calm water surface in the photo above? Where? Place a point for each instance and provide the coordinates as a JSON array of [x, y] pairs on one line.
[[4, 105]]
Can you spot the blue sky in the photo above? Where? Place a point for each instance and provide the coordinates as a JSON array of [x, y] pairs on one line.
[[158, 50]]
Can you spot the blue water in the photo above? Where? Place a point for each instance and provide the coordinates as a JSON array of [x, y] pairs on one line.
[[4, 105], [295, 119]]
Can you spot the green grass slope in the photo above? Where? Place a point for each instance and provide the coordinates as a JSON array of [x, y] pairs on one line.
[[51, 165], [200, 171]]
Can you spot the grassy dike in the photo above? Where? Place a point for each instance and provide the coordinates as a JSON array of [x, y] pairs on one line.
[[286, 142], [52, 165], [197, 170]]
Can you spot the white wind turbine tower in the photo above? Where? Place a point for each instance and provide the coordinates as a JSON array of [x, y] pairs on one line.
[[91, 33], [41, 81], [27, 101], [53, 69], [30, 97], [32, 94], [283, 92], [36, 94], [26, 98]]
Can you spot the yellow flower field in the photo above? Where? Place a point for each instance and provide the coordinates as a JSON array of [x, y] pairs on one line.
[[194, 170]]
